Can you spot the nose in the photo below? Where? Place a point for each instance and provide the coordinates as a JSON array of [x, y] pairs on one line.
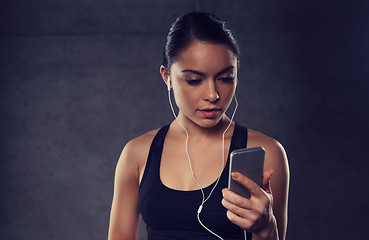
[[211, 94]]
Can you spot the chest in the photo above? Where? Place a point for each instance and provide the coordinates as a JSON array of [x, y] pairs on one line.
[[200, 160]]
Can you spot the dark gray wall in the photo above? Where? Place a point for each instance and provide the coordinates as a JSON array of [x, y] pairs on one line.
[[80, 78]]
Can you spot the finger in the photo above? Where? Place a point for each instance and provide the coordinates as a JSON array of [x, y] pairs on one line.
[[250, 185], [236, 199], [233, 208], [266, 180], [241, 211], [239, 221]]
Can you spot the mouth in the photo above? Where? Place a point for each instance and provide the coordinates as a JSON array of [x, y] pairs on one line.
[[209, 112]]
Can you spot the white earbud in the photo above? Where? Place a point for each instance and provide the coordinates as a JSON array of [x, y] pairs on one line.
[[168, 83]]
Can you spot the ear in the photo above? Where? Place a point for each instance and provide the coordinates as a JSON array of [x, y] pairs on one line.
[[164, 74]]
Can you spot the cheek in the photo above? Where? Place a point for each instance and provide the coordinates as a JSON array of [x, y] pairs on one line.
[[228, 93], [183, 96]]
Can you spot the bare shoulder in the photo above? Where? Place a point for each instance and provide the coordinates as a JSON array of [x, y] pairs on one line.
[[140, 145], [257, 139], [135, 152], [275, 155]]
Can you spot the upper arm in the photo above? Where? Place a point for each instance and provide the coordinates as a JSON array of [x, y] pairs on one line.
[[276, 159], [124, 214]]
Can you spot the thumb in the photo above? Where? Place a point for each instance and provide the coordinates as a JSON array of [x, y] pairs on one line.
[[266, 180]]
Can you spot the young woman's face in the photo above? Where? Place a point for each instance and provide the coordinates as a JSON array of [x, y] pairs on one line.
[[204, 79]]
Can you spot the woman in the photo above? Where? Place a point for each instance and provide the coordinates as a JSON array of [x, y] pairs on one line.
[[167, 174]]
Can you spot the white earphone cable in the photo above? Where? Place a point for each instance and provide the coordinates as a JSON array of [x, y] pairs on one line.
[[189, 160]]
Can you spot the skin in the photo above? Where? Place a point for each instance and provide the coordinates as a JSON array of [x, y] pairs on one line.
[[204, 76]]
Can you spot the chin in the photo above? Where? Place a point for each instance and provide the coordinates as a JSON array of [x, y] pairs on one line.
[[209, 122]]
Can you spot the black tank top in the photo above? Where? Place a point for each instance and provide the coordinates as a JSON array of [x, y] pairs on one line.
[[172, 214]]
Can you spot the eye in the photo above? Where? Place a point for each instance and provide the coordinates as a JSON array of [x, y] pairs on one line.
[[227, 79], [193, 82]]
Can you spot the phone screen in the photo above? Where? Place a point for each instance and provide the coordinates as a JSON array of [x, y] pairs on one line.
[[249, 162]]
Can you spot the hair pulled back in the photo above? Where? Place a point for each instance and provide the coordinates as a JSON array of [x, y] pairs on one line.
[[196, 26]]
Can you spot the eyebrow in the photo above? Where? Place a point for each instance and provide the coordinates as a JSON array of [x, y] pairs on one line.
[[203, 74]]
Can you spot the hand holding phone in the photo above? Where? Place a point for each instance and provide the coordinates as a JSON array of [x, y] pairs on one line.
[[249, 162]]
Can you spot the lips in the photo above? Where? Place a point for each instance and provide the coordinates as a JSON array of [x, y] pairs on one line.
[[209, 112]]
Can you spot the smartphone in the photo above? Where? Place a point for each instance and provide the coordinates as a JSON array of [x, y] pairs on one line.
[[249, 162]]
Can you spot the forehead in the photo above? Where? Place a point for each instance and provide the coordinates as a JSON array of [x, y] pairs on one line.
[[205, 57]]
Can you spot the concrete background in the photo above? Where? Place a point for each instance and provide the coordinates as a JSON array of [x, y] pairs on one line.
[[78, 79]]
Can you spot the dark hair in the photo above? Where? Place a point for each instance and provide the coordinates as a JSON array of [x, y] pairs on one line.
[[196, 26]]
